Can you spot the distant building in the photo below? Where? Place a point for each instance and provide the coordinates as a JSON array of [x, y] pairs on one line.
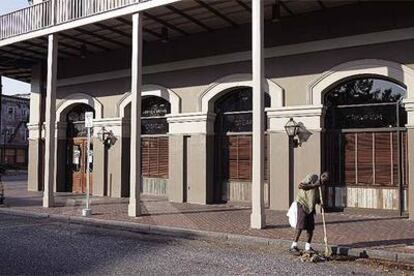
[[14, 133]]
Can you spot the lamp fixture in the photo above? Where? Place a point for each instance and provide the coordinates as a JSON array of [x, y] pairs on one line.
[[106, 137], [292, 129]]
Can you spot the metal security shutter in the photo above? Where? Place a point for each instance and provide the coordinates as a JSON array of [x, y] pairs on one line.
[[154, 157]]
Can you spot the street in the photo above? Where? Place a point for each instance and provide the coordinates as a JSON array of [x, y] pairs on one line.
[[43, 247]]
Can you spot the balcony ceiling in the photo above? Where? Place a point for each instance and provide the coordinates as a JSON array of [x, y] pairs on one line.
[[184, 18]]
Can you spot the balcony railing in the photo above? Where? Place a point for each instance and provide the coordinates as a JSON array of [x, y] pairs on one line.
[[50, 13]]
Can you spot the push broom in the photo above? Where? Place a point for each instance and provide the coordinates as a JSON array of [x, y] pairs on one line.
[[328, 251]]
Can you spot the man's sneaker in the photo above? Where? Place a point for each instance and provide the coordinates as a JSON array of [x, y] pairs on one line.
[[310, 250], [294, 250]]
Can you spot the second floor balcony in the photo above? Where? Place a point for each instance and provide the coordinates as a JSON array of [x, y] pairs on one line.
[[55, 12]]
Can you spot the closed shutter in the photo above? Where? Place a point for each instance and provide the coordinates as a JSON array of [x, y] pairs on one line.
[[349, 158], [154, 157], [240, 157], [364, 157], [383, 159], [371, 159]]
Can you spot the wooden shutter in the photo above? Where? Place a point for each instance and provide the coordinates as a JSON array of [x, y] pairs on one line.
[[383, 159], [154, 157], [349, 158], [364, 159], [240, 157]]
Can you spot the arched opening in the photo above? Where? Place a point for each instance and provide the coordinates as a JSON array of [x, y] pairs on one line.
[[154, 144], [365, 143], [76, 149], [233, 145]]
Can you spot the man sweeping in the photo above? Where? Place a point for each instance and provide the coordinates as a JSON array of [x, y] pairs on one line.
[[306, 200]]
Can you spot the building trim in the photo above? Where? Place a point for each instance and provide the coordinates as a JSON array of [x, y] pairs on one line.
[[219, 87], [273, 52], [152, 90], [377, 67], [191, 123], [78, 98], [308, 116]]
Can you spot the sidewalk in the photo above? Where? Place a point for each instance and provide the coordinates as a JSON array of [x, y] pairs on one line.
[[358, 229]]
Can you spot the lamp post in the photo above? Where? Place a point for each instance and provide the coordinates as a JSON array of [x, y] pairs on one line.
[[291, 129]]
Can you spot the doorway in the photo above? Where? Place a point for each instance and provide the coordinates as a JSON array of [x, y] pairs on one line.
[[76, 145]]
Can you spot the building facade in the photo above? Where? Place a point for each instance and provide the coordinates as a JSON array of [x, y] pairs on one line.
[[14, 133], [219, 80]]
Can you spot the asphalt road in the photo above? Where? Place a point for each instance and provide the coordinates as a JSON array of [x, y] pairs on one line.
[[43, 247]]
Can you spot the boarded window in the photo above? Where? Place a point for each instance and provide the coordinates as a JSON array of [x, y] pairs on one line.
[[240, 158], [154, 160], [371, 159]]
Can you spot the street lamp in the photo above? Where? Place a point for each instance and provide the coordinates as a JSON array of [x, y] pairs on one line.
[[292, 129], [106, 137]]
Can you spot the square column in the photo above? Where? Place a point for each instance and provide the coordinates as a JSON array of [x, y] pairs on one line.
[[34, 126], [50, 122], [258, 219], [134, 208]]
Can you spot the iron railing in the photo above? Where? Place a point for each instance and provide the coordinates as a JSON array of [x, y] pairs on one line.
[[54, 12]]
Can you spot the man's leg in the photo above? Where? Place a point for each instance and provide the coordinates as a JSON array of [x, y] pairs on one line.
[[297, 235], [296, 239], [309, 239]]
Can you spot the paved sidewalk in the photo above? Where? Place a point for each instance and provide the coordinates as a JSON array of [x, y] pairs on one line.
[[362, 229]]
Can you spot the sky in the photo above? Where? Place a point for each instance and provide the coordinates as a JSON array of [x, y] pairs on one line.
[[11, 87]]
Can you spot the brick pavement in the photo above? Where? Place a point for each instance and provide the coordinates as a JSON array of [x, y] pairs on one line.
[[362, 229]]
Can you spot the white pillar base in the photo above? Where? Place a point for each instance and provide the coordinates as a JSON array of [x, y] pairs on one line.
[[48, 202], [257, 220], [134, 208]]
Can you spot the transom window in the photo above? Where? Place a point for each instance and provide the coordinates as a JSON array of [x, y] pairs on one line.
[[364, 103], [234, 110], [76, 120], [154, 110]]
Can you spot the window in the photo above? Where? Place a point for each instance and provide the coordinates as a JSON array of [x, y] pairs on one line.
[[154, 110], [154, 158], [361, 133], [76, 120], [233, 140], [364, 103], [154, 143]]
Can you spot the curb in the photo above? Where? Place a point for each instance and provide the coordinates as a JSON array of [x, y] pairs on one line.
[[404, 258]]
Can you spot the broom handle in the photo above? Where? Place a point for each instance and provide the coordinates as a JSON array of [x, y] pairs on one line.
[[323, 218]]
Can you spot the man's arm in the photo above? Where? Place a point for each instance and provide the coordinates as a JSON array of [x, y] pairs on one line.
[[309, 186]]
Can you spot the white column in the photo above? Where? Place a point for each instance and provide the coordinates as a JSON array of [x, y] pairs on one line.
[[50, 120], [134, 209], [258, 219]]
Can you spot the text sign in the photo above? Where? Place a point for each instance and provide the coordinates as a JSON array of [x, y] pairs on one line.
[[88, 119]]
